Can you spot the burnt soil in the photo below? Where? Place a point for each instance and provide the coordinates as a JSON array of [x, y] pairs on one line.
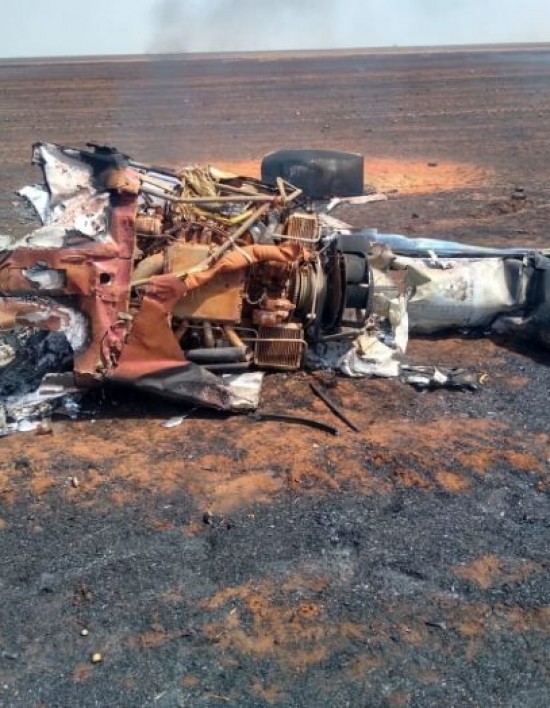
[[232, 562]]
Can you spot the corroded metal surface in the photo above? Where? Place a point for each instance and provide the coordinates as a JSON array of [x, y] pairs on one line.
[[97, 278]]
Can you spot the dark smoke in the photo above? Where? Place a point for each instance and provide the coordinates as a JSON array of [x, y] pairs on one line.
[[253, 25], [240, 25]]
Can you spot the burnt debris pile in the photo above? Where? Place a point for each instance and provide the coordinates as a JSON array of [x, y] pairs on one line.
[[187, 282]]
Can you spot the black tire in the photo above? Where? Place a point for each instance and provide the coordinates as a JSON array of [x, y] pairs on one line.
[[321, 174]]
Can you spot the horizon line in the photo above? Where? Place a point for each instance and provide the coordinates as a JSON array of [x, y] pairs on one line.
[[237, 54]]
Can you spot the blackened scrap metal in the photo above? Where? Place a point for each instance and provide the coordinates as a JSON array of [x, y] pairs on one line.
[[266, 416], [187, 383], [164, 268], [435, 377], [333, 407], [175, 263]]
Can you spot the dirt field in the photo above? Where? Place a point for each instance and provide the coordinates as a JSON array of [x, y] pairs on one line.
[[227, 562]]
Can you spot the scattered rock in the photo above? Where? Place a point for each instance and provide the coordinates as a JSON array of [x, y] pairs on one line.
[[46, 582], [9, 655], [436, 625]]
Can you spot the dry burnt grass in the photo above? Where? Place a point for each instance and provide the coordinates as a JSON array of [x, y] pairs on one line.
[[228, 562]]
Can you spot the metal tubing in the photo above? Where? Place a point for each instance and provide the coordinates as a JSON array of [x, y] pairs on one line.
[[232, 337], [237, 199], [208, 335], [219, 355], [333, 407], [236, 368]]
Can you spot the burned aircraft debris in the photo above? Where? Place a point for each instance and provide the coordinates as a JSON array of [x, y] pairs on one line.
[[181, 282]]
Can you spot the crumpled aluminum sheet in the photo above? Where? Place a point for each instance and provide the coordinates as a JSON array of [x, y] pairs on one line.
[[403, 245], [244, 390], [69, 203], [463, 293], [21, 414]]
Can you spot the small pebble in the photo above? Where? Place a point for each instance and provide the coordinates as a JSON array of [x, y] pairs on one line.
[[84, 632], [75, 482], [96, 658]]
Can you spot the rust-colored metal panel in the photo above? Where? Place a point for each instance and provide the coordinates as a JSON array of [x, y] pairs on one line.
[[99, 276], [151, 344], [219, 300]]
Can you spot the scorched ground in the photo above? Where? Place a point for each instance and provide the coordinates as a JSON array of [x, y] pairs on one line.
[[226, 561]]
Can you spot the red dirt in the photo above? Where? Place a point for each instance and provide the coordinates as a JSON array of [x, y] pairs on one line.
[[226, 561], [490, 570]]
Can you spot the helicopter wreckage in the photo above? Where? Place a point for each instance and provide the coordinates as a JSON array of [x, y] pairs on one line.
[[190, 283]]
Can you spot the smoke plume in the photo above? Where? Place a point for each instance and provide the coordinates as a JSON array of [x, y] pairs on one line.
[[253, 25]]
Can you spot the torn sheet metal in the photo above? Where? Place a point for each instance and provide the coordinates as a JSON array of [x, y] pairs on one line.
[[245, 390], [24, 413], [65, 173], [370, 357], [463, 293], [38, 197], [533, 324], [355, 201], [164, 265], [433, 377], [510, 294], [70, 200], [168, 280], [422, 247], [25, 313]]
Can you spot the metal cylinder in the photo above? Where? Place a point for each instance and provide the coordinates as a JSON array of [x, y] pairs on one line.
[[233, 337], [152, 265], [208, 335], [235, 368], [150, 225], [219, 355]]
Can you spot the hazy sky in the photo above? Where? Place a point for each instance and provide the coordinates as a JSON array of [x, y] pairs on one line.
[[74, 27]]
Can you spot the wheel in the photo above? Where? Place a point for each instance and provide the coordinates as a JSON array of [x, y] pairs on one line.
[[321, 174]]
